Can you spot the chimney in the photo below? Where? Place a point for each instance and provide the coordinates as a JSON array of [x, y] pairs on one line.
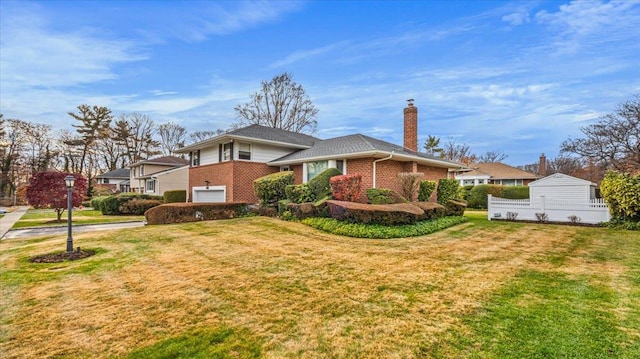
[[542, 168], [411, 126]]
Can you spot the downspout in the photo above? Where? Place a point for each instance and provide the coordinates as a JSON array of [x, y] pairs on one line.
[[374, 166]]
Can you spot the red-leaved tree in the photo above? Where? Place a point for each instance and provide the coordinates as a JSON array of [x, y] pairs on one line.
[[49, 190]]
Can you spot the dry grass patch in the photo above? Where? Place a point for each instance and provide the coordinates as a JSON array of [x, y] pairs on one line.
[[302, 292]]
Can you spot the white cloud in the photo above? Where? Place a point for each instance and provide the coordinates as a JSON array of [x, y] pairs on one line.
[[517, 18]]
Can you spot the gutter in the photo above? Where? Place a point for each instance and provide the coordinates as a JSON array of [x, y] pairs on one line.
[[374, 166]]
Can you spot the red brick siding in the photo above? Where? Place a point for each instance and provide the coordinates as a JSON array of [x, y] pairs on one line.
[[244, 173], [218, 174], [411, 127], [297, 173]]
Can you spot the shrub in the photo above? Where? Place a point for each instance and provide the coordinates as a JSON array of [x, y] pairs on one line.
[[191, 212], [384, 196], [138, 206], [621, 191], [299, 193], [515, 192], [455, 207], [410, 182], [377, 231], [426, 190], [320, 186], [271, 188], [346, 187], [447, 189], [96, 202], [111, 205], [301, 210], [478, 195], [386, 214], [431, 210], [175, 196], [282, 206]]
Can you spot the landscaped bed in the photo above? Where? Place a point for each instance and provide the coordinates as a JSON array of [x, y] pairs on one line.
[[263, 287]]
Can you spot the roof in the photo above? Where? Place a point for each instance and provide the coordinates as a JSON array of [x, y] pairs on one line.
[[166, 161], [117, 173], [560, 179], [258, 133], [359, 145], [496, 171], [163, 172]]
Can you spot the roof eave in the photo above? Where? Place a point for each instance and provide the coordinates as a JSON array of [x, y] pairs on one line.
[[432, 162], [212, 141]]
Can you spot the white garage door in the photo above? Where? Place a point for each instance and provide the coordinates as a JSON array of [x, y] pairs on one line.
[[209, 195]]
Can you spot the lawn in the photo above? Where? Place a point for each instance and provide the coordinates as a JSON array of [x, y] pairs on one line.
[[261, 287], [47, 217]]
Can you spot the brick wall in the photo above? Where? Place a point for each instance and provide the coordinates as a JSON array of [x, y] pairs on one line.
[[411, 127], [244, 173], [218, 174], [297, 173]]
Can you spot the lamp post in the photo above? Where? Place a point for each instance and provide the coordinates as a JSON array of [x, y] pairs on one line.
[[69, 180]]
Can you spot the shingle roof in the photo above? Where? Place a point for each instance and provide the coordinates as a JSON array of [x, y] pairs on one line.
[[117, 173], [165, 160], [354, 145], [497, 171], [274, 134]]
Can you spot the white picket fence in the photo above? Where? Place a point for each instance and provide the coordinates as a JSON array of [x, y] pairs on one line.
[[592, 212]]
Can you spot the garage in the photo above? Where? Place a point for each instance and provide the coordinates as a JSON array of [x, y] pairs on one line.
[[211, 194]]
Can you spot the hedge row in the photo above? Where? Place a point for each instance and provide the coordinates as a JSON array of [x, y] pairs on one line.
[[193, 212], [384, 196], [175, 196], [110, 205], [476, 196], [392, 214]]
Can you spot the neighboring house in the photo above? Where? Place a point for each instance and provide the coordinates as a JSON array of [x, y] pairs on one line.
[[562, 187], [494, 173], [223, 168], [157, 175], [116, 180]]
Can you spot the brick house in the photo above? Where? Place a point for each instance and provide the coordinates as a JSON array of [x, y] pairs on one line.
[[494, 173], [223, 168]]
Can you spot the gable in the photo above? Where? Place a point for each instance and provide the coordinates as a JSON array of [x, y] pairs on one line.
[[560, 179]]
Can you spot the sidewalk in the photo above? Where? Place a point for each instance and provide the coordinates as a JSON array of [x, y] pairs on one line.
[[10, 219], [43, 231]]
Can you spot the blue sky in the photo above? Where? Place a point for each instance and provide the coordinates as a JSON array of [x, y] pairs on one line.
[[519, 77]]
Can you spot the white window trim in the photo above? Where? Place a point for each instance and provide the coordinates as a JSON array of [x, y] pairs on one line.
[[146, 186]]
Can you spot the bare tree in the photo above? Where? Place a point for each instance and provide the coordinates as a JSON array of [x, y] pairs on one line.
[[492, 157], [172, 137], [613, 142], [204, 135], [280, 103], [458, 152], [135, 133]]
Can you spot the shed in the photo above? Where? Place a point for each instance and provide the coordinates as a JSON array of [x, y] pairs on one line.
[[562, 187]]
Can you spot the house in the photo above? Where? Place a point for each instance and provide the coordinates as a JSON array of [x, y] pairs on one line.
[[223, 168], [157, 175], [494, 173], [563, 187], [114, 181]]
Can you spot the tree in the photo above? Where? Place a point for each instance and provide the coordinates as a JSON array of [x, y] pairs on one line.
[[458, 152], [48, 190], [280, 103], [172, 137], [492, 157], [613, 142], [198, 136], [135, 133], [94, 124], [431, 146]]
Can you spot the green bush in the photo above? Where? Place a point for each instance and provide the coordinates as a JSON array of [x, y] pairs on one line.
[[378, 231], [455, 207], [621, 191], [175, 196], [96, 202], [271, 188], [477, 197], [138, 206], [320, 186], [282, 205], [426, 190], [515, 192], [299, 193], [111, 205], [192, 212], [447, 189], [384, 196]]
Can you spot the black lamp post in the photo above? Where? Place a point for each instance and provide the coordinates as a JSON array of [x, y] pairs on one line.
[[69, 180]]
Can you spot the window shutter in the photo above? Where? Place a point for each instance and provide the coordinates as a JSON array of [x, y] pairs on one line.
[[198, 158], [231, 151], [220, 149]]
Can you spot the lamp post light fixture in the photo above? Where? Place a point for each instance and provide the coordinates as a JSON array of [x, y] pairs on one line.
[[69, 180], [206, 183]]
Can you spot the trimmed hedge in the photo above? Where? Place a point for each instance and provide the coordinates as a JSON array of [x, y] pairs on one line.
[[346, 187], [447, 189], [175, 196], [271, 188], [385, 214], [384, 196], [111, 204], [193, 212], [426, 190], [431, 210], [455, 207], [299, 193], [477, 197], [96, 202], [622, 193], [377, 231], [320, 184], [138, 206]]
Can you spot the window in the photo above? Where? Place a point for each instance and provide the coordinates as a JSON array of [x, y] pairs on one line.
[[468, 182], [340, 166], [141, 171], [284, 168], [151, 185], [227, 151], [195, 158], [105, 181], [314, 168], [244, 151]]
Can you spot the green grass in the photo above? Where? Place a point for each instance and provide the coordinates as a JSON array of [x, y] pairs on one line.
[[48, 218]]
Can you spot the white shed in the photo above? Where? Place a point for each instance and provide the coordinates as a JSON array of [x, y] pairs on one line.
[[559, 186]]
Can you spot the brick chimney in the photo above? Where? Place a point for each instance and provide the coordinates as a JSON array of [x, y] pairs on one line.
[[411, 126], [542, 168]]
